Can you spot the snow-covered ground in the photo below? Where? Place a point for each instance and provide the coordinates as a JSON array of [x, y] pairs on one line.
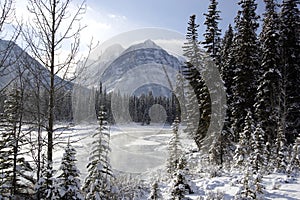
[[285, 189], [143, 149]]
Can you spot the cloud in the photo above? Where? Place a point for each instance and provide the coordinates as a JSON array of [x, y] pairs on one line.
[[117, 17], [112, 16]]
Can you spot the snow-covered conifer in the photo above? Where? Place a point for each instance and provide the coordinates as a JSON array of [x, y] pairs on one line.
[[247, 190], [227, 74], [43, 188], [68, 181], [13, 166], [294, 163], [243, 147], [247, 61], [174, 148], [290, 68], [181, 96], [258, 150], [212, 33], [155, 193], [268, 91], [98, 183], [180, 185], [191, 72], [252, 187], [281, 151]]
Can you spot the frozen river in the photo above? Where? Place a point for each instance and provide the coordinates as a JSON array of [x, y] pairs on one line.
[[135, 148], [139, 148]]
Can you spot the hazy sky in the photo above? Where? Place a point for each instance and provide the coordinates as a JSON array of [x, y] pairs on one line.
[[108, 18], [115, 16]]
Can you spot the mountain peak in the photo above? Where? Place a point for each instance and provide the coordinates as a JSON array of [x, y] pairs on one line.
[[147, 44], [150, 43]]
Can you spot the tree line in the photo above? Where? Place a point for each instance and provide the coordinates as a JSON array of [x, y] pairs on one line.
[[137, 106]]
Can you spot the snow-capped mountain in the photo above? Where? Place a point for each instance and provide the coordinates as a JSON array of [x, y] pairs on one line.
[[111, 53], [18, 65], [141, 64]]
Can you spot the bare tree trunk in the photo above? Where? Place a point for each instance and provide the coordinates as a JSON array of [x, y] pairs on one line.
[[51, 94], [53, 27]]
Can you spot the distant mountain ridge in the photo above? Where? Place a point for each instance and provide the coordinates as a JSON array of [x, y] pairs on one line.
[[17, 64]]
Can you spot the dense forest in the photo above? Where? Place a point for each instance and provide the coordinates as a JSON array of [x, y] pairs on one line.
[[259, 133]]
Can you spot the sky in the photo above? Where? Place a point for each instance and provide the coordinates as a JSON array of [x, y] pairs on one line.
[[117, 16], [108, 18]]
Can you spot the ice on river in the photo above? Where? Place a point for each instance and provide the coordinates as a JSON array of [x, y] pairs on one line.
[[135, 148]]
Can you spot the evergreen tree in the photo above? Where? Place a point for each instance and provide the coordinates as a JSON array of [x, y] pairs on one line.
[[98, 183], [246, 55], [270, 156], [227, 74], [190, 72], [243, 148], [294, 164], [281, 150], [155, 192], [13, 166], [174, 148], [68, 180], [180, 185], [252, 187], [225, 54], [9, 126], [220, 150], [181, 97], [258, 186], [290, 56], [199, 107], [267, 101], [191, 46], [247, 191], [258, 154], [212, 33], [43, 188]]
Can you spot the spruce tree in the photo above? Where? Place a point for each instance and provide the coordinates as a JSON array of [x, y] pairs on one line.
[[294, 164], [258, 153], [290, 56], [13, 166], [220, 152], [174, 149], [199, 107], [192, 52], [212, 33], [225, 53], [227, 74], [9, 129], [155, 192], [227, 63], [43, 188], [180, 109], [281, 150], [267, 101], [68, 181], [246, 55], [252, 187], [243, 148], [247, 190], [180, 185], [98, 183]]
